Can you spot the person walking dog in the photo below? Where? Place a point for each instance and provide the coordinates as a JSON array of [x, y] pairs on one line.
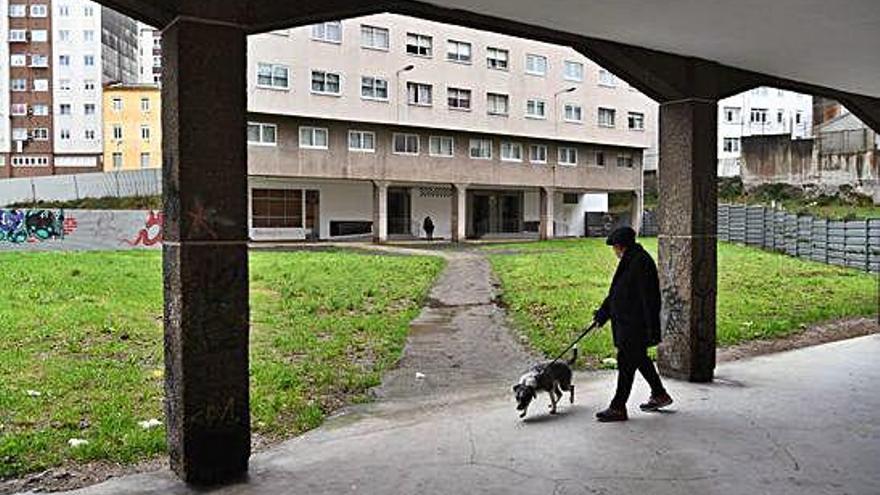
[[633, 306]]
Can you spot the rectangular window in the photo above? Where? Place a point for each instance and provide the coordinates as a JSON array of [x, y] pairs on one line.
[[64, 60], [262, 134], [40, 109], [419, 94], [39, 10], [574, 71], [145, 104], [325, 83], [441, 146], [536, 109], [88, 60], [17, 60], [19, 134], [65, 134], [89, 134], [458, 51], [330, 32], [17, 35], [313, 138], [277, 208], [17, 10], [145, 160], [731, 115], [40, 134], [758, 115], [88, 11], [41, 85], [497, 58], [363, 141], [606, 117], [89, 85], [145, 132], [374, 88], [497, 104], [117, 161], [39, 35], [64, 35], [536, 64], [117, 132], [635, 121], [568, 155], [606, 78], [780, 115], [798, 116], [511, 152], [731, 145], [538, 153], [405, 144], [116, 104], [419, 44], [64, 109], [374, 37], [18, 109], [18, 85], [480, 149], [273, 76], [573, 113], [625, 160], [570, 198], [39, 61], [459, 99], [89, 108], [89, 35]]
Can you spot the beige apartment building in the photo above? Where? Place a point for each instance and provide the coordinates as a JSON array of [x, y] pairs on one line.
[[369, 125]]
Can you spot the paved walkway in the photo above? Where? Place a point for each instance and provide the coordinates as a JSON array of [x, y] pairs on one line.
[[800, 422]]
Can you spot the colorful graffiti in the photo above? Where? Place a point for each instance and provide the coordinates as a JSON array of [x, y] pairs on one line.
[[151, 233], [20, 226]]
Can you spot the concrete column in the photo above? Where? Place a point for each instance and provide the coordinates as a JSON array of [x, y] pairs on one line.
[[205, 254], [380, 212], [687, 252], [637, 207], [459, 213], [546, 229]]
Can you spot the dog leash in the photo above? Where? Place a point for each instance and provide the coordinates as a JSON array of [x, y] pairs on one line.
[[584, 334]]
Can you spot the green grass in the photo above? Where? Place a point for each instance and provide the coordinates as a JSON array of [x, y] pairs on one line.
[[85, 330], [552, 288]]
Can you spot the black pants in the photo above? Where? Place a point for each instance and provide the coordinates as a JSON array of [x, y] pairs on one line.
[[628, 361]]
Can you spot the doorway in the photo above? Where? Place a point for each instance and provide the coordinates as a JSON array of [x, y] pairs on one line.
[[399, 211], [495, 212], [313, 219]]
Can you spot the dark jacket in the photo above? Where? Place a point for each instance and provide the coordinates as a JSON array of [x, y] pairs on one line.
[[633, 302]]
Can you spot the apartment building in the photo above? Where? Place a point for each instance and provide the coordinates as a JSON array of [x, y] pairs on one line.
[[370, 125], [149, 54], [132, 127], [57, 52]]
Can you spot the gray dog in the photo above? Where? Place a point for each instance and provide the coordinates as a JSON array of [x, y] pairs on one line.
[[552, 377]]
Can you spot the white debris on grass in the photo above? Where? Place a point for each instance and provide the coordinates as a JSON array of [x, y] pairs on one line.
[[150, 423], [609, 361], [420, 376], [34, 393], [77, 442]]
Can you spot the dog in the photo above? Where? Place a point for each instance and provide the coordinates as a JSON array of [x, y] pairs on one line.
[[552, 377]]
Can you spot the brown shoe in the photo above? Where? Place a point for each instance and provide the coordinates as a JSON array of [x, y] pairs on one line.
[[609, 415], [656, 402]]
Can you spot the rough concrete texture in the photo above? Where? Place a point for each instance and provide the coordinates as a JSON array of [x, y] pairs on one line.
[[800, 422]]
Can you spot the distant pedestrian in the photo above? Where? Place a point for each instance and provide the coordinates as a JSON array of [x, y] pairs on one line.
[[633, 306], [428, 225]]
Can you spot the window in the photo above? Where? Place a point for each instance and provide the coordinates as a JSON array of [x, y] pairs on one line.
[[441, 146], [458, 51], [18, 109], [636, 121], [330, 32], [89, 134], [606, 117], [39, 10], [570, 198], [374, 37], [419, 94], [40, 109], [405, 144], [64, 35], [88, 11], [497, 58], [625, 160], [89, 35], [116, 103], [89, 109], [419, 44], [798, 116], [19, 134], [731, 145], [145, 104], [89, 85], [363, 141], [39, 61], [538, 153], [64, 84], [157, 61], [17, 10], [88, 60], [511, 152], [41, 85], [574, 71], [272, 76], [65, 134], [497, 104], [117, 132], [64, 60], [40, 134], [145, 160], [459, 99], [64, 11], [573, 113], [606, 78], [313, 138], [326, 83], [277, 208], [536, 109], [64, 109], [17, 60], [19, 85], [758, 115], [374, 88], [536, 64], [263, 134], [481, 149], [145, 132], [780, 115], [39, 35], [117, 161], [568, 155], [17, 35], [731, 115], [30, 161]]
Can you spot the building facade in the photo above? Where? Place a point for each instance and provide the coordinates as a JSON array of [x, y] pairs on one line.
[[392, 119], [132, 127], [149, 55]]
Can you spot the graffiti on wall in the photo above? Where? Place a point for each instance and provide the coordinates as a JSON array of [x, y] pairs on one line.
[[151, 233], [21, 226]]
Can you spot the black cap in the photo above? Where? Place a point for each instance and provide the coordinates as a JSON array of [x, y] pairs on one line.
[[622, 236]]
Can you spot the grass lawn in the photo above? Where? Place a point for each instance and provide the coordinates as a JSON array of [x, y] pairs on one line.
[[553, 287], [81, 347]]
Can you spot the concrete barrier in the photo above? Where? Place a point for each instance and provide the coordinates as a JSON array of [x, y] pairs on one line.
[[69, 230]]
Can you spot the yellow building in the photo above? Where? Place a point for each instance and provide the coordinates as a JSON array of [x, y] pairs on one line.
[[132, 127]]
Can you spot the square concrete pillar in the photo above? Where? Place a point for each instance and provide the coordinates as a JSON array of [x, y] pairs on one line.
[[380, 212], [205, 253], [637, 208], [459, 212], [546, 229], [687, 250]]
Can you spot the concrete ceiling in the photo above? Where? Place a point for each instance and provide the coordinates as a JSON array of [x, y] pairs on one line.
[[835, 44]]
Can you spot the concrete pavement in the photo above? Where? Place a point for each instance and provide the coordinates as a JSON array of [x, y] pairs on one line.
[[801, 422]]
